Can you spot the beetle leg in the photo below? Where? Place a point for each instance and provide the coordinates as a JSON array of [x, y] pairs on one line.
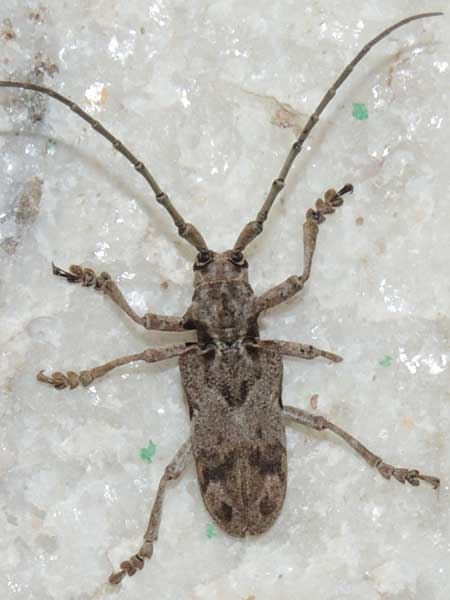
[[314, 217], [402, 475], [105, 284], [174, 470], [72, 379], [301, 350]]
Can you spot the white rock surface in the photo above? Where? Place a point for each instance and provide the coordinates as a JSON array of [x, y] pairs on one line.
[[211, 95]]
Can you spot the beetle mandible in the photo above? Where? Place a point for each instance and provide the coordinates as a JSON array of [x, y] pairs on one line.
[[231, 378]]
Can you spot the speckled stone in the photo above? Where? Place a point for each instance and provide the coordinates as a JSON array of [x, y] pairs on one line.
[[211, 95]]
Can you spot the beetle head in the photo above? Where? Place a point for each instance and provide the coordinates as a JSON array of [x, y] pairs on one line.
[[212, 266]]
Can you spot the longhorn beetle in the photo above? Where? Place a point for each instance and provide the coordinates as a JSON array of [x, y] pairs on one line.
[[231, 378]]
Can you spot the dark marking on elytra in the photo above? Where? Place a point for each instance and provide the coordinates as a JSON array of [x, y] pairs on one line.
[[243, 390], [267, 506], [254, 456], [271, 468], [219, 472], [268, 461], [226, 511], [232, 396], [226, 392]]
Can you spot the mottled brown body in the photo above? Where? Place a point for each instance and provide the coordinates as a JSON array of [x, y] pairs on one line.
[[231, 378], [238, 433], [232, 385]]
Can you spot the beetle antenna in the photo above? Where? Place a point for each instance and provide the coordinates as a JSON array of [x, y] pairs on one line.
[[186, 230], [254, 228]]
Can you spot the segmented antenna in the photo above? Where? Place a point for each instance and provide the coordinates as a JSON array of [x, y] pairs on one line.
[[185, 230], [254, 228]]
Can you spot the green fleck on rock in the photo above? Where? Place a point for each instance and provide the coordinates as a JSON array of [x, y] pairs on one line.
[[51, 146], [211, 530], [386, 361], [148, 453], [360, 111]]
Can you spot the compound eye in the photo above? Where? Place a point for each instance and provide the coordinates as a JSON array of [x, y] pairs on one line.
[[203, 258], [238, 259]]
